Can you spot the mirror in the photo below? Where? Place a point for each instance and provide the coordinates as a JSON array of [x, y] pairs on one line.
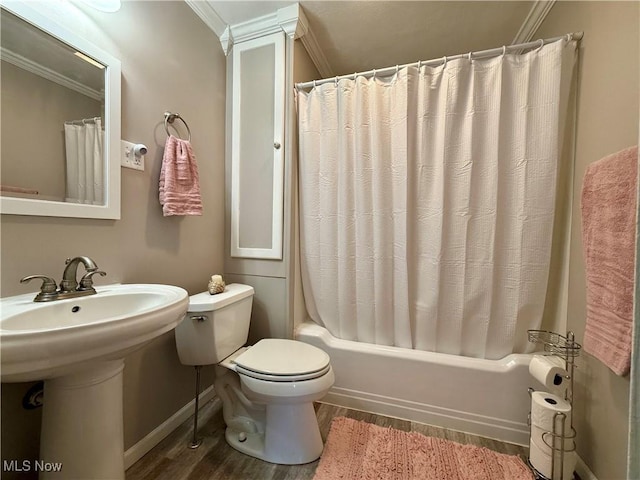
[[61, 110]]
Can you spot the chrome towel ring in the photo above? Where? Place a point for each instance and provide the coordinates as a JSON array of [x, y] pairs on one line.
[[169, 118]]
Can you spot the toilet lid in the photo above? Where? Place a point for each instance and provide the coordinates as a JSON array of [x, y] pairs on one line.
[[283, 360]]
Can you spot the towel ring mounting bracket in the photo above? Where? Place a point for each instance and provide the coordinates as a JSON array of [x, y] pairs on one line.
[[169, 118]]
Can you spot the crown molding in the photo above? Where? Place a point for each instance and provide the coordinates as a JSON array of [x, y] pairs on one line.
[[536, 16], [295, 24], [291, 19], [317, 55], [208, 15], [48, 74], [226, 40], [254, 28]]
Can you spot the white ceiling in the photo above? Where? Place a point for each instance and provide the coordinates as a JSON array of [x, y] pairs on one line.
[[238, 11], [362, 35]]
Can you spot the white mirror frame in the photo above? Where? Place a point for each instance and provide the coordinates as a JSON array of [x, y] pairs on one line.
[[111, 208]]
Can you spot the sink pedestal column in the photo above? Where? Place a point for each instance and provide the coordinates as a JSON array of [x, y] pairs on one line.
[[82, 424]]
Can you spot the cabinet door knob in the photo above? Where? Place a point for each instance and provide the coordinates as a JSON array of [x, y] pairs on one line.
[[277, 145]]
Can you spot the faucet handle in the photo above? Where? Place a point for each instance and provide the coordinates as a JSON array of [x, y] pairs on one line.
[[47, 289], [86, 282], [48, 283]]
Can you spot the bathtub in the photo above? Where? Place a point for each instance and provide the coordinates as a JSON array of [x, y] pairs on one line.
[[477, 396]]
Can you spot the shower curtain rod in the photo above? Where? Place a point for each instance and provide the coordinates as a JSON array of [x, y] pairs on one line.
[[471, 55], [84, 121]]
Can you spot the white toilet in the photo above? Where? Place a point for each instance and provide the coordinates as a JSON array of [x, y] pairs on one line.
[[268, 389]]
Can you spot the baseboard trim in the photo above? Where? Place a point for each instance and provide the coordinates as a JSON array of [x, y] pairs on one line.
[[583, 470], [140, 449]]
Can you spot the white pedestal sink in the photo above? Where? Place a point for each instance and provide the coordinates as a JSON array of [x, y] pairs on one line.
[[78, 347]]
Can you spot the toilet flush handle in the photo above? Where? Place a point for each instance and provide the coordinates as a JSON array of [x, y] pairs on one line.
[[199, 318]]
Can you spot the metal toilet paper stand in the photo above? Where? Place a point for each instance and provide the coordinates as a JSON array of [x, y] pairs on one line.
[[568, 349]]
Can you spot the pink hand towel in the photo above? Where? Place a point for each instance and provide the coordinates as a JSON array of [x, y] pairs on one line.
[[179, 181], [608, 235]]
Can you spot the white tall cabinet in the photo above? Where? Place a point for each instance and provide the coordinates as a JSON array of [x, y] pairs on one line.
[[260, 166], [257, 147]]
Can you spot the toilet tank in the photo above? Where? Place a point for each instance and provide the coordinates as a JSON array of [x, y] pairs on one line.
[[215, 326]]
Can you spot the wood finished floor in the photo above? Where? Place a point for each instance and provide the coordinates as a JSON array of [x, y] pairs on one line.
[[172, 459]]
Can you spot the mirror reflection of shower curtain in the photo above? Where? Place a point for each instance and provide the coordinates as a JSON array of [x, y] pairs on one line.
[[84, 145], [427, 202]]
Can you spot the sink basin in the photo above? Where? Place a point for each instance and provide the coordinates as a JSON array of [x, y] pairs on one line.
[[49, 339], [77, 346]]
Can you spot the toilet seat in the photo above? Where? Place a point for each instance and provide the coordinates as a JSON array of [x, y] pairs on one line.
[[282, 378], [281, 360]]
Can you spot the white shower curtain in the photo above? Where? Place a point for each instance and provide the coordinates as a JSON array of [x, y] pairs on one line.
[[427, 202], [84, 140]]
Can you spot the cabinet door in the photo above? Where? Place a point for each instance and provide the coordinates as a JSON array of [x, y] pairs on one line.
[[257, 147]]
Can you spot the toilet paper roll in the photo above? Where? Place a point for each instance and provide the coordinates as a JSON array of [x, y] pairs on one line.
[[541, 461], [545, 440], [544, 407], [549, 370]]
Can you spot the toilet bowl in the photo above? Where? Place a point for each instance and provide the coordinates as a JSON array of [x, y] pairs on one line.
[[268, 389]]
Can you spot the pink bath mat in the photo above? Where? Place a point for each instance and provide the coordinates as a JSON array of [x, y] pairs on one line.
[[358, 450]]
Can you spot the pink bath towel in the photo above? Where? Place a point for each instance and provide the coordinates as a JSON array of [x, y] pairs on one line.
[[179, 182], [608, 234]]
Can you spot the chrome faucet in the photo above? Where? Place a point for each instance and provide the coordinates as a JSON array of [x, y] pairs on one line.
[[69, 282], [69, 286]]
